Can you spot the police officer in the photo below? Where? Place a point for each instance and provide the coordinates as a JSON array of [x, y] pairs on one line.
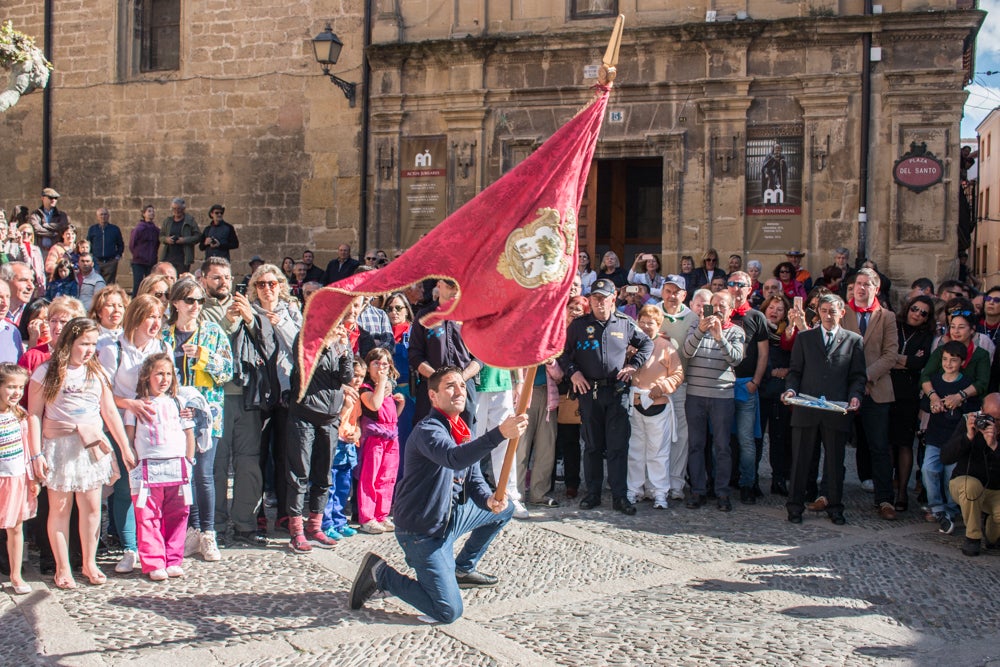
[[594, 360]]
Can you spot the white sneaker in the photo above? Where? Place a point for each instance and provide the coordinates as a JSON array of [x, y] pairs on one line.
[[388, 526], [127, 563], [868, 485], [520, 511], [209, 549], [192, 542], [660, 502], [175, 571], [632, 497], [158, 575], [372, 528]]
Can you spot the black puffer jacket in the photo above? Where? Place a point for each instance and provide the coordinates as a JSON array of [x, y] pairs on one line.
[[325, 395]]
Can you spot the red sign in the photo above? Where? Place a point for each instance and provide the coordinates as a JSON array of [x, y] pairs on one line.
[[918, 172]]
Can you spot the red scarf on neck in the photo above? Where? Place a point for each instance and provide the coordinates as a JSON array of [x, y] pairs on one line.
[[459, 429], [870, 309], [399, 330], [741, 310]]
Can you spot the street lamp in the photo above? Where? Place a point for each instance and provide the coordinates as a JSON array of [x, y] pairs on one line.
[[326, 47]]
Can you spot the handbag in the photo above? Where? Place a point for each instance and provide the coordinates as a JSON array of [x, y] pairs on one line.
[[569, 410]]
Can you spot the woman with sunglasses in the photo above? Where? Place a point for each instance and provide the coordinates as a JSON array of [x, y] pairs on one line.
[[400, 319], [270, 298], [785, 273], [204, 360], [709, 269], [915, 329]]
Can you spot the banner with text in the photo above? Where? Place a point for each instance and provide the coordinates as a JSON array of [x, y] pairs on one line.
[[774, 188], [423, 179]]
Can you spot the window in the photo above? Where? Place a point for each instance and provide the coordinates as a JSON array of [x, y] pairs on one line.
[[986, 204], [589, 9], [149, 34]]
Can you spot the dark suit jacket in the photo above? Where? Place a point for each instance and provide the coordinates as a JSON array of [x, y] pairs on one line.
[[839, 376], [335, 271]]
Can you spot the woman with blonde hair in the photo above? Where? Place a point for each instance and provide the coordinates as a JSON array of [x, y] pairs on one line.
[[140, 338], [157, 285], [61, 250], [271, 298], [611, 268]]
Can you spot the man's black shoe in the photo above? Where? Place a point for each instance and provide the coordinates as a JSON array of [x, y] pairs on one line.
[[757, 493], [795, 517], [747, 496], [590, 502], [624, 506], [779, 488], [364, 585], [475, 579], [253, 538], [970, 547], [724, 505], [694, 501], [838, 519]]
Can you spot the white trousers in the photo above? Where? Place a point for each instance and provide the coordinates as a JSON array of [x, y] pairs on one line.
[[492, 407], [649, 452]]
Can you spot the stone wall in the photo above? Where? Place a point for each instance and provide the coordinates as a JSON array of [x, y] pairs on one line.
[[247, 121]]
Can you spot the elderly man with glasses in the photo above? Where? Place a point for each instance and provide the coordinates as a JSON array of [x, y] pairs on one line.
[[48, 221], [219, 237], [178, 234]]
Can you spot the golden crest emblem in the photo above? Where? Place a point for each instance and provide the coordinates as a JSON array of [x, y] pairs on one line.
[[538, 253]]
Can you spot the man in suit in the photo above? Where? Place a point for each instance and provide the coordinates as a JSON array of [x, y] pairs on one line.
[[877, 325], [826, 361]]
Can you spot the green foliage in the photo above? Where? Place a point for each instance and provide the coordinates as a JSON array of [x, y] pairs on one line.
[[16, 47]]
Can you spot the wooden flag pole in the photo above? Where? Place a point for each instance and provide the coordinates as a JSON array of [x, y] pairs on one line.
[[508, 459], [606, 75]]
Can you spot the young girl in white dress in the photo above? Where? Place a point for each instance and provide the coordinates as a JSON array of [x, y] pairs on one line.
[[18, 489], [69, 404]]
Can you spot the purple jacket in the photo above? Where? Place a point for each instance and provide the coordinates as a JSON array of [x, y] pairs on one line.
[[144, 243]]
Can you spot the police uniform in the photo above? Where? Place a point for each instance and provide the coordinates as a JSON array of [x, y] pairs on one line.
[[597, 349]]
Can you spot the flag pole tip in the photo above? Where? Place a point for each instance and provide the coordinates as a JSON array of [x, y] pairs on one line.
[[607, 72]]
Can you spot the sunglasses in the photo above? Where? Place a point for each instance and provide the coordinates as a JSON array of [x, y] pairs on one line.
[[269, 284], [191, 300], [960, 313], [991, 299], [784, 271], [736, 283], [397, 309], [712, 259], [370, 259], [923, 313]]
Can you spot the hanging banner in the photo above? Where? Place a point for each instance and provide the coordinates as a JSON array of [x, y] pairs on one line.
[[423, 181], [774, 188]]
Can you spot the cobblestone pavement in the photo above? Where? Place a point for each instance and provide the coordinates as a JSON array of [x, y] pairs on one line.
[[670, 587]]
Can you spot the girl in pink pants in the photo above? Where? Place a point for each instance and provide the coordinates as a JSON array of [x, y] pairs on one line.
[[161, 491], [380, 410]]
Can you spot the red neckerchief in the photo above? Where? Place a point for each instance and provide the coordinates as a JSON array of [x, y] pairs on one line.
[[741, 310], [968, 354], [459, 429], [354, 335], [870, 309], [727, 324], [399, 330]]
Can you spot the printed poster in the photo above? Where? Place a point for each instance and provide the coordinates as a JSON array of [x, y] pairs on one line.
[[774, 188], [423, 180]]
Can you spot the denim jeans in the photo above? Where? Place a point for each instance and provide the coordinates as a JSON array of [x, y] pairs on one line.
[[936, 476], [123, 511], [745, 422], [202, 515], [435, 591]]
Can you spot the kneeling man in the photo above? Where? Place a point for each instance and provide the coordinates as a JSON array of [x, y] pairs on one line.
[[441, 496]]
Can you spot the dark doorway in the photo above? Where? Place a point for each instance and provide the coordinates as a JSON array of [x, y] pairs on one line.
[[629, 208]]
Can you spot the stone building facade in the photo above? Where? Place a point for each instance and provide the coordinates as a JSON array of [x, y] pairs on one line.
[[703, 93], [987, 184]]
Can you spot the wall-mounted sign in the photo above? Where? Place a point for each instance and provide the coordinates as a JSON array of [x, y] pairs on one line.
[[616, 116], [918, 169], [423, 181], [590, 71], [773, 187]]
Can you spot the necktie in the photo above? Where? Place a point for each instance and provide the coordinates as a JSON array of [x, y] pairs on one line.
[[863, 323], [829, 341]]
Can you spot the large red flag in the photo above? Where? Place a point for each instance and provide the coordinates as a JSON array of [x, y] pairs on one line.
[[511, 250]]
